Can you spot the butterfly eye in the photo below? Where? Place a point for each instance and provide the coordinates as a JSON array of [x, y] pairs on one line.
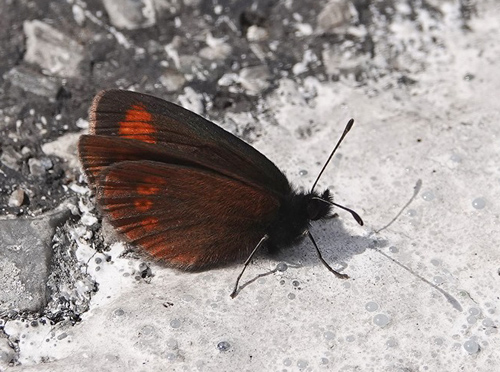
[[317, 208]]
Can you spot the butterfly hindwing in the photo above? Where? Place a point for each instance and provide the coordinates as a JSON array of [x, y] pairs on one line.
[[178, 136], [189, 218]]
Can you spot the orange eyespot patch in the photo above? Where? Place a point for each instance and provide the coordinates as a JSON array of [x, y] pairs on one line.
[[149, 223], [150, 185], [143, 205], [137, 124], [185, 258], [147, 190]]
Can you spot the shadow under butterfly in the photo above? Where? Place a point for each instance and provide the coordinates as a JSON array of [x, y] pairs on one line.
[[188, 192]]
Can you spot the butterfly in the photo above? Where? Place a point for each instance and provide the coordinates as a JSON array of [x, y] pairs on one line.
[[188, 192]]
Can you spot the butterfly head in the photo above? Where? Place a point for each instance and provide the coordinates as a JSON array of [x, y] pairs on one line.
[[319, 206]]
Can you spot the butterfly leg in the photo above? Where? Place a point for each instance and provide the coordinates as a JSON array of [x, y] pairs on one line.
[[261, 242], [337, 274]]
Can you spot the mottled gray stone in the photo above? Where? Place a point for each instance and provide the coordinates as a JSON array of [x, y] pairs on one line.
[[25, 256], [216, 49], [256, 34], [131, 14], [50, 49], [10, 158], [255, 79], [31, 81], [16, 198], [335, 14], [65, 147], [7, 353], [172, 80], [36, 167]]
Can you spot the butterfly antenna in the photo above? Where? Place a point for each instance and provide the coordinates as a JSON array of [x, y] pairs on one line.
[[452, 300], [259, 244], [336, 273], [416, 190], [354, 214], [346, 130]]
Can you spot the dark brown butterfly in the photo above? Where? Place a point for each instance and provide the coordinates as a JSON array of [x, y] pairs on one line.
[[187, 191]]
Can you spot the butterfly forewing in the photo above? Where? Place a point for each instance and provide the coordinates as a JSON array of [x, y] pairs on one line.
[[99, 152], [188, 217], [173, 135]]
